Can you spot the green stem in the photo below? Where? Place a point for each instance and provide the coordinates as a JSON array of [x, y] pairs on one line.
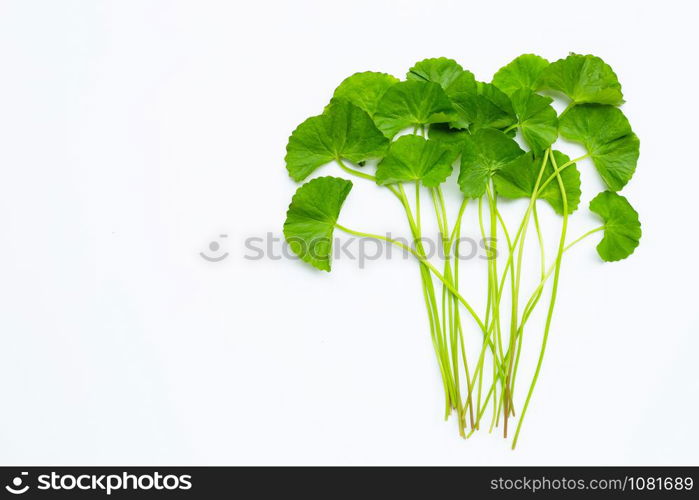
[[457, 224], [500, 289], [425, 262], [425, 274], [454, 241], [438, 214], [431, 305], [417, 207], [495, 298], [515, 276], [492, 317], [532, 201], [560, 169], [527, 312], [478, 372], [480, 414], [447, 324], [540, 239], [496, 218], [355, 172], [536, 294], [363, 175], [492, 282], [542, 263], [481, 224], [493, 290], [515, 286], [552, 303], [457, 320], [454, 320]]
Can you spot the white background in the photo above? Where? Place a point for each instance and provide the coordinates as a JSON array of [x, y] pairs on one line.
[[134, 133]]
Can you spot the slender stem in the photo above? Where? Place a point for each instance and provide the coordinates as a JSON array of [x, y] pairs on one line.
[[498, 407], [454, 240], [496, 297], [354, 172], [510, 248], [492, 283], [493, 289], [542, 263], [504, 230], [540, 239], [521, 231], [580, 238], [424, 261], [448, 313], [560, 169], [363, 175], [478, 372], [454, 320], [491, 311], [411, 220], [481, 224], [424, 273], [442, 206], [532, 201], [537, 292], [438, 214], [485, 406], [457, 224], [455, 237], [445, 325], [552, 303], [417, 207], [431, 305], [515, 275], [495, 403], [516, 280]]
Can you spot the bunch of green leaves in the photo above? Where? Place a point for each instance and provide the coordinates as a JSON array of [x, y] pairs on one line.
[[500, 137]]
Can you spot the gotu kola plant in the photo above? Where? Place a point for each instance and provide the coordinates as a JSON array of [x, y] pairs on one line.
[[502, 136]]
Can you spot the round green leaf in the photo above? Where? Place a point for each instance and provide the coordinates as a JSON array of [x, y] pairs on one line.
[[537, 120], [622, 230], [410, 104], [311, 219], [606, 134], [518, 178], [412, 158], [583, 79], [446, 72], [522, 73], [364, 90], [485, 106], [464, 84], [448, 136], [484, 153], [342, 131], [459, 91]]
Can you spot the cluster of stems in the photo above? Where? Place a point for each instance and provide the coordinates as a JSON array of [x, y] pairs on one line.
[[490, 379]]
